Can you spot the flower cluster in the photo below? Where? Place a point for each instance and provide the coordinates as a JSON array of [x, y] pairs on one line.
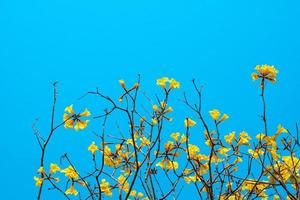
[[141, 163]]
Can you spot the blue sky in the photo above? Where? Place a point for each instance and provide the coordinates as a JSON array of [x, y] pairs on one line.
[[89, 44]]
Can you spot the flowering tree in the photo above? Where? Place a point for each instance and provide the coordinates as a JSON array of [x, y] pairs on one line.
[[134, 165]]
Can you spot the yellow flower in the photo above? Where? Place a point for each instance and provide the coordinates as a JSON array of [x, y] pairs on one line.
[[169, 109], [182, 139], [38, 181], [256, 152], [167, 164], [215, 114], [265, 72], [105, 187], [254, 76], [71, 191], [274, 154], [145, 141], [188, 122], [155, 108], [260, 136], [238, 159], [193, 150], [154, 121], [174, 83], [123, 184], [136, 85], [122, 83], [54, 168], [133, 193], [230, 137], [129, 141], [70, 172], [72, 120], [41, 170], [243, 139], [208, 143], [140, 195], [175, 136], [224, 117], [223, 150], [93, 148], [164, 80], [280, 129], [169, 145], [276, 197], [80, 125]]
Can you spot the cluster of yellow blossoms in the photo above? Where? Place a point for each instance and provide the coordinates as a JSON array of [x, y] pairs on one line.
[[265, 72], [172, 83], [73, 120], [69, 172], [225, 149]]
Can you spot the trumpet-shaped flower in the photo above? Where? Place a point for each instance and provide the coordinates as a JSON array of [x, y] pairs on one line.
[[73, 120], [188, 122], [215, 114], [93, 148], [70, 172], [230, 137], [38, 181], [71, 191], [162, 82], [105, 187], [54, 168]]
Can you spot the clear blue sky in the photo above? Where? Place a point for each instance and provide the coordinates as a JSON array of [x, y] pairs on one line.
[[93, 43]]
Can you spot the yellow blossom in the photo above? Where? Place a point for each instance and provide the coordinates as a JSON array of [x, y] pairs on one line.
[[256, 152], [154, 121], [122, 83], [188, 122], [215, 114], [260, 136], [182, 139], [238, 159], [208, 143], [155, 108], [175, 136], [140, 195], [244, 139], [193, 150], [167, 164], [276, 197], [224, 117], [164, 80], [41, 170], [223, 150], [133, 193], [265, 72], [54, 168], [145, 141], [105, 187], [70, 172], [230, 137], [280, 129], [123, 184], [169, 145], [174, 83], [73, 120], [71, 191], [38, 181], [93, 148]]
